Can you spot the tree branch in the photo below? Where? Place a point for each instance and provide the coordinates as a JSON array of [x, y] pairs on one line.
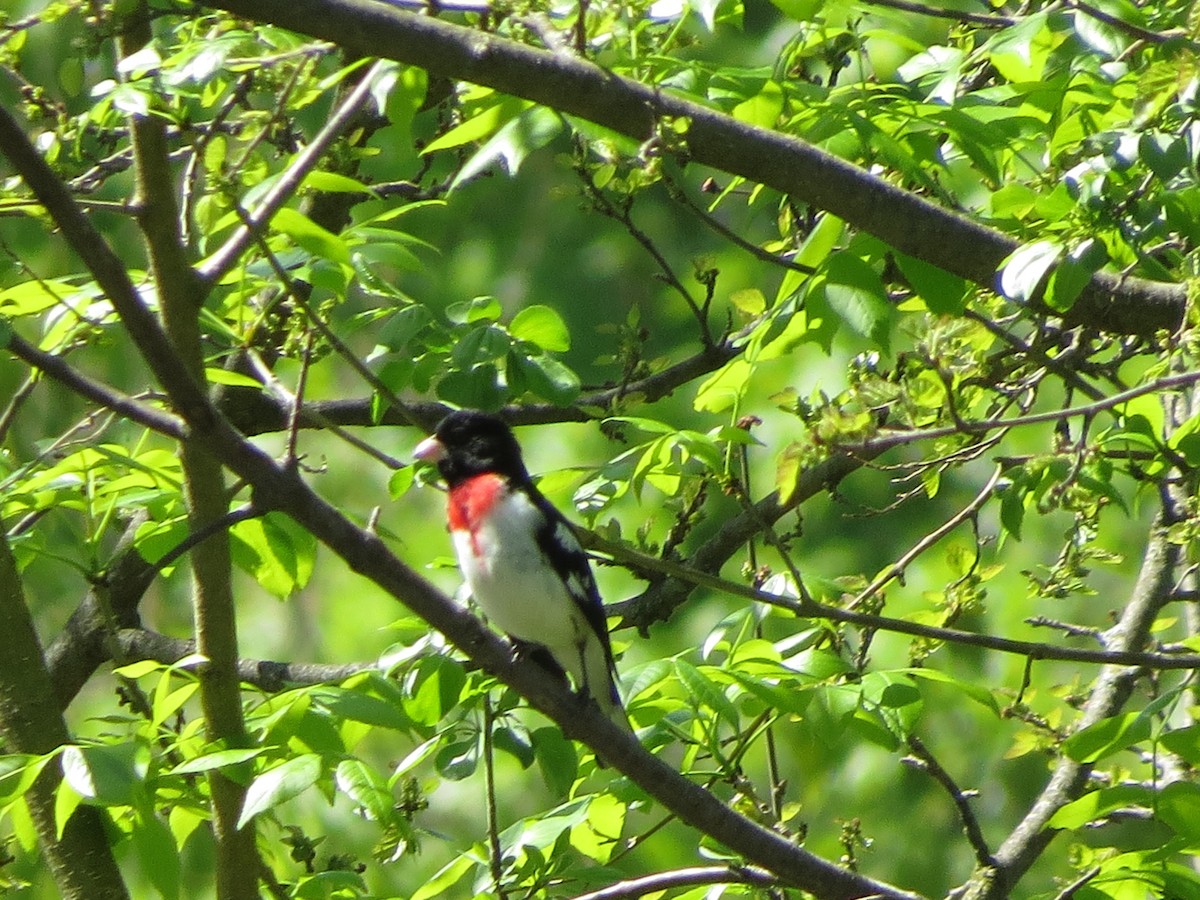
[[267, 675], [681, 878], [928, 762], [1113, 687], [30, 722], [253, 412], [691, 577], [572, 85], [101, 394]]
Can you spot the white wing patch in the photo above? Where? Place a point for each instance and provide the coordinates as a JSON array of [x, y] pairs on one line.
[[566, 537]]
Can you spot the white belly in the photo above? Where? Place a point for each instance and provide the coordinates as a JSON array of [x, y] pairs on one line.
[[515, 587]]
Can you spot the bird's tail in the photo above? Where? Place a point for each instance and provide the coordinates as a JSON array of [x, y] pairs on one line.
[[601, 684]]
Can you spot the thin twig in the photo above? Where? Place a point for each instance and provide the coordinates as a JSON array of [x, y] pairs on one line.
[[681, 878], [987, 20], [233, 517], [495, 851], [99, 393], [679, 195], [927, 761], [20, 395], [307, 415], [328, 333], [267, 675], [1073, 888], [256, 221], [814, 610], [623, 213], [889, 439], [896, 569]]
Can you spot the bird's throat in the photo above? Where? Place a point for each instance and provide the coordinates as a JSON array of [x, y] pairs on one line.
[[470, 501]]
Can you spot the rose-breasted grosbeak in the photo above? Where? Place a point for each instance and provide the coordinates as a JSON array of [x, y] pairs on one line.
[[521, 560]]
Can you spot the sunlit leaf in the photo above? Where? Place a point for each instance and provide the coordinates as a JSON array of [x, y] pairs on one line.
[[278, 785]]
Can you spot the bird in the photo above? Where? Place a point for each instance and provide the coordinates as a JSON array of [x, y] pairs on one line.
[[520, 558]]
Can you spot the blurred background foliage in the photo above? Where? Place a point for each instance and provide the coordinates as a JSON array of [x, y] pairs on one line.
[[1062, 127]]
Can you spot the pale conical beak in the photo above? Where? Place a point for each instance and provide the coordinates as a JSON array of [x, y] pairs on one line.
[[430, 450]]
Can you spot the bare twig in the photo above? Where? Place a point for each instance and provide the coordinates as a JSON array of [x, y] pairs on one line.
[[814, 610], [284, 188], [267, 675], [896, 569], [927, 761], [304, 413], [888, 439], [495, 851]]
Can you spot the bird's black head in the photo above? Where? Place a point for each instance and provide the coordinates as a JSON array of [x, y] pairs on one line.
[[468, 443]]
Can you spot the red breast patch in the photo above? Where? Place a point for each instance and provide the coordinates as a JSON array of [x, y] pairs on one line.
[[471, 501]]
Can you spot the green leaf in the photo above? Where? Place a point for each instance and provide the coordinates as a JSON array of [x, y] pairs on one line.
[[1072, 274], [6, 332], [234, 379], [1020, 52], [763, 109], [458, 760], [18, 771], [785, 698], [479, 309], [724, 388], [335, 183], [597, 838], [446, 877], [1183, 742], [1012, 509], [478, 126], [1022, 274], [1106, 737], [976, 692], [311, 236], [138, 669], [366, 787], [943, 293], [516, 743], [1097, 804], [157, 852], [33, 297], [705, 692], [276, 551], [541, 326], [531, 130], [280, 784], [855, 292], [359, 706], [474, 388], [107, 774], [400, 481], [800, 10], [1179, 807], [557, 760], [218, 759], [832, 707], [550, 379]]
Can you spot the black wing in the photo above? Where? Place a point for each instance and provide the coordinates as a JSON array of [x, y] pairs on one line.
[[558, 541]]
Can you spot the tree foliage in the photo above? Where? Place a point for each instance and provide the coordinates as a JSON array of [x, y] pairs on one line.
[[856, 335]]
